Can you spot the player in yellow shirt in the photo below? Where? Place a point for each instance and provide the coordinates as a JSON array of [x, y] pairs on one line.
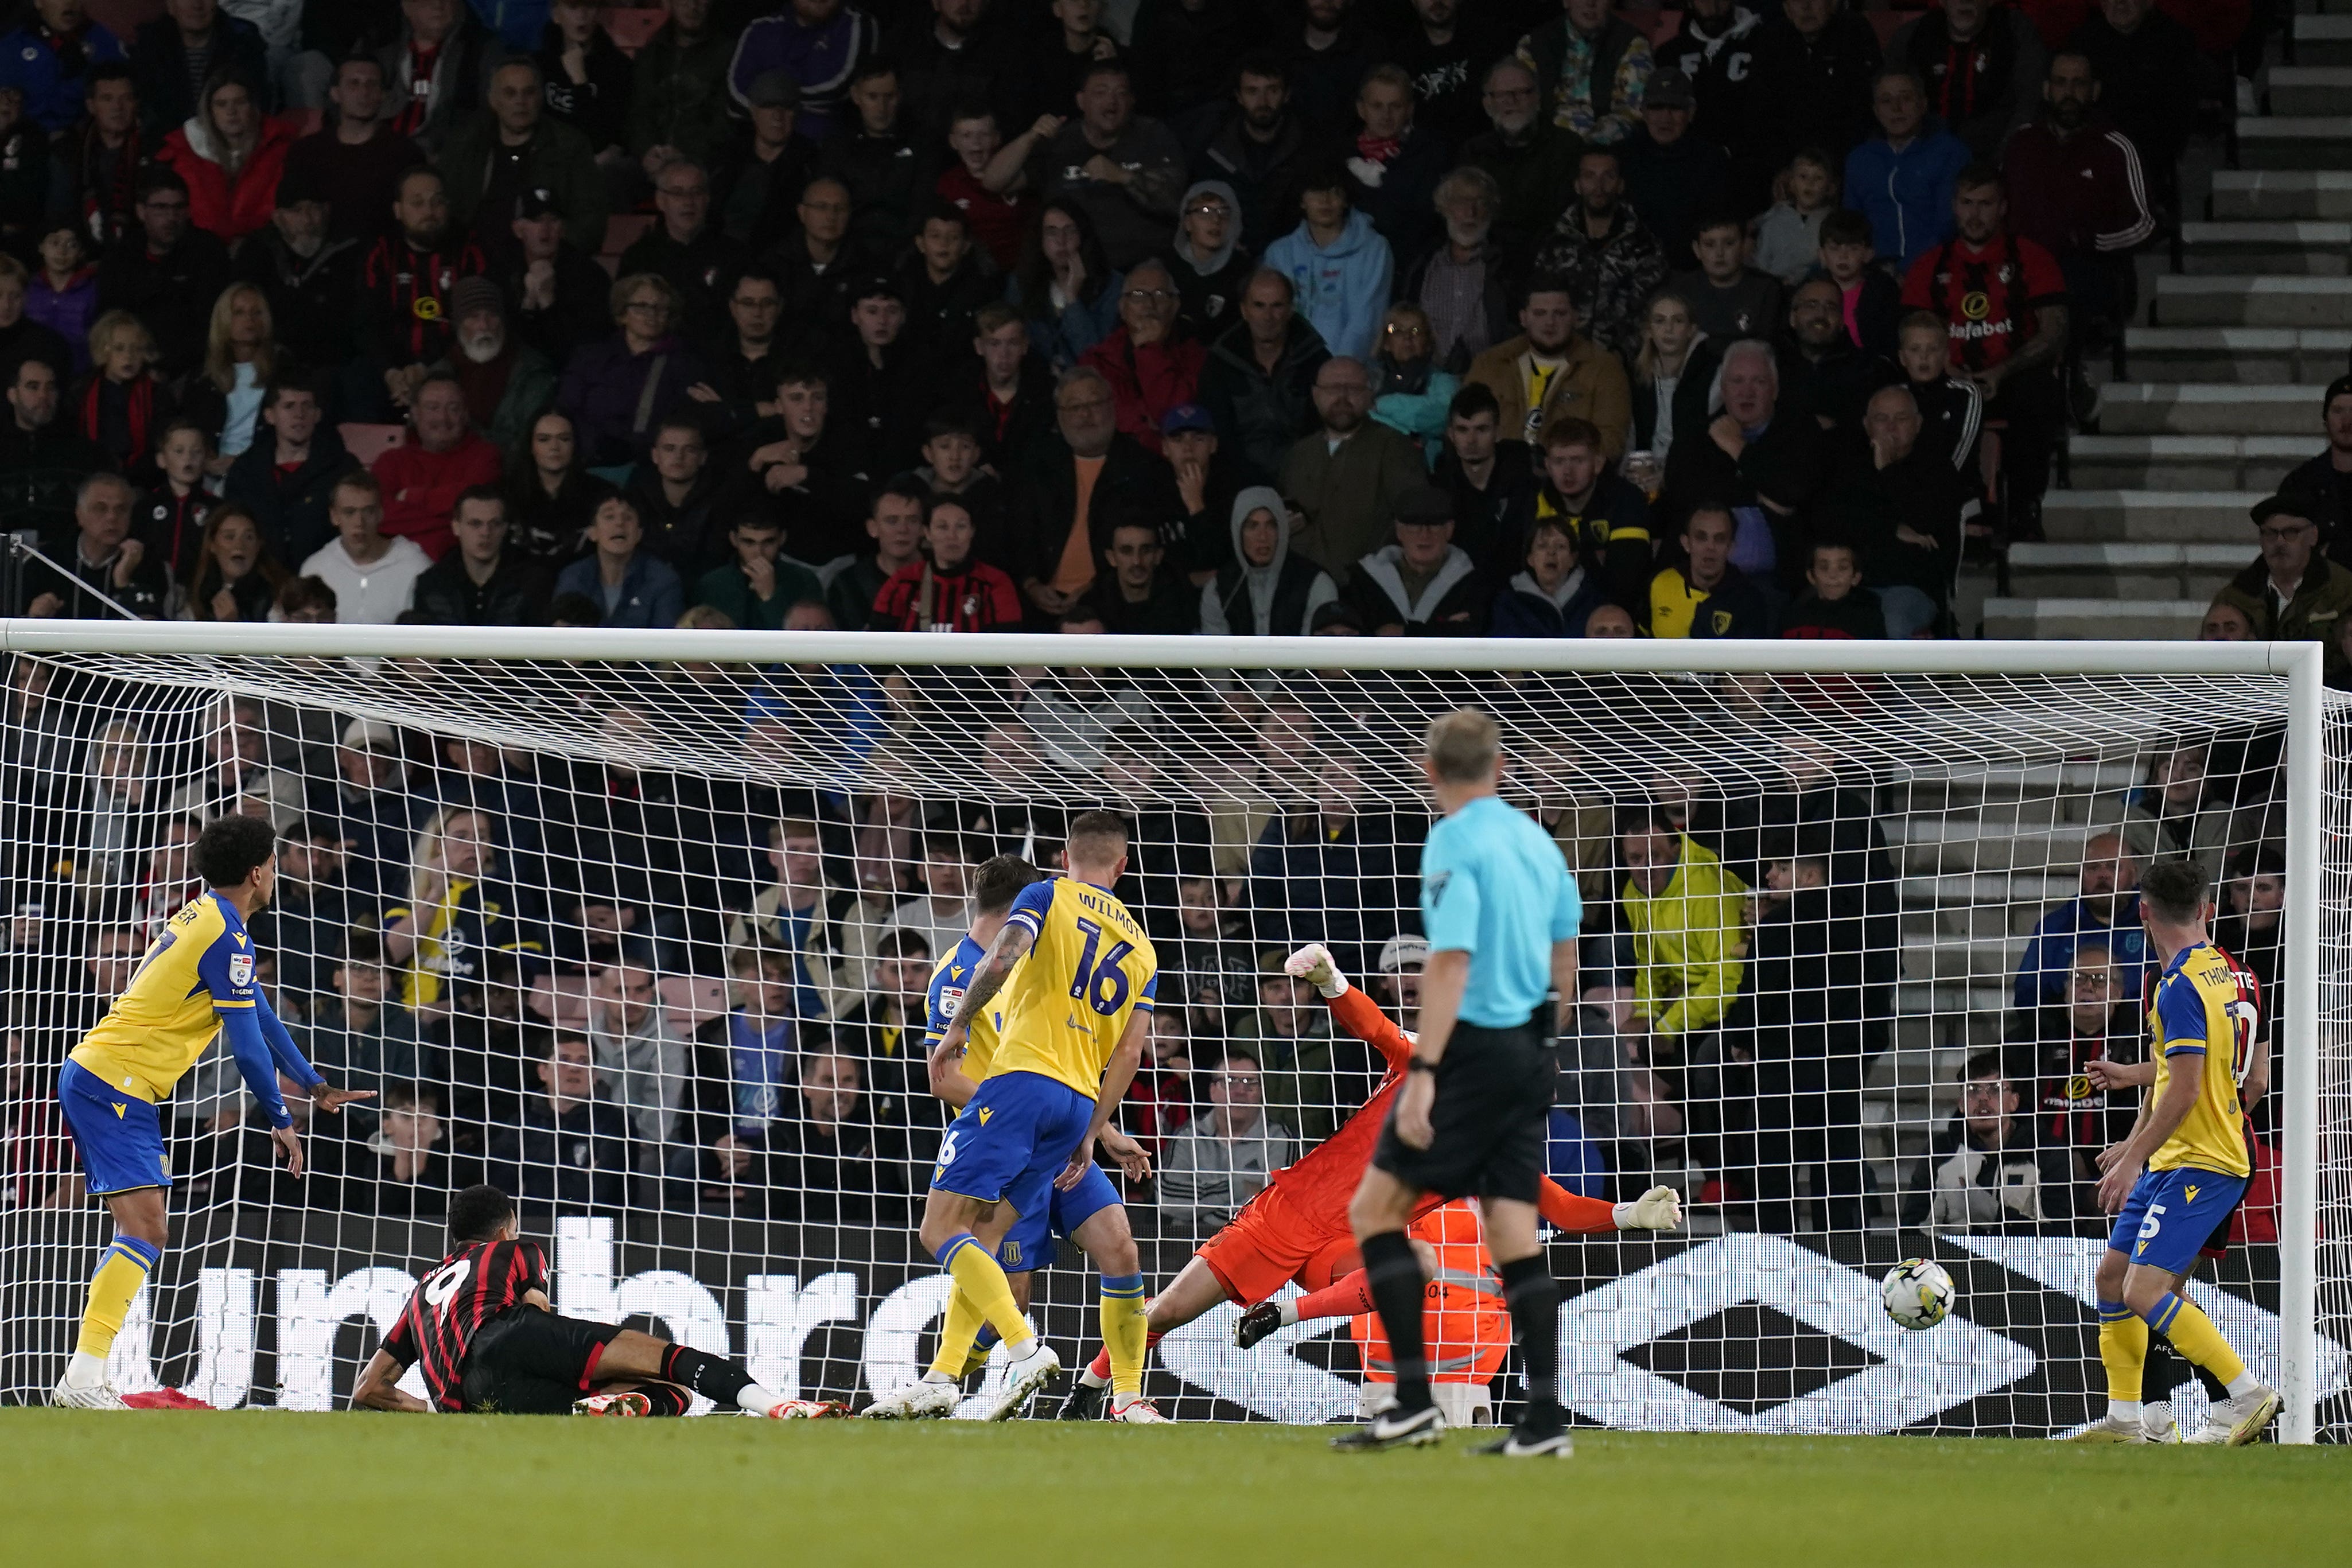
[[2183, 1169], [195, 982], [1074, 1018]]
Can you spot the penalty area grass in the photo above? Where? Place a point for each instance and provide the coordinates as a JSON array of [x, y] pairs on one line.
[[270, 1487]]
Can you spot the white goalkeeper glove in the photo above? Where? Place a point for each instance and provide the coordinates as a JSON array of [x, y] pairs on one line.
[[1315, 965], [1660, 1208]]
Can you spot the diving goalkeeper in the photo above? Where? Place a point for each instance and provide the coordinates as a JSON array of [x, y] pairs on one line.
[[1296, 1230]]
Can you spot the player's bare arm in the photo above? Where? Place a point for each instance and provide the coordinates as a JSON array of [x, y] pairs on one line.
[[1118, 1073], [1442, 980], [1563, 983], [2156, 1124], [378, 1387], [1012, 944]]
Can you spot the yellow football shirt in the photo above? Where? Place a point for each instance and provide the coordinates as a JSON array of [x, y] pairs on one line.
[[198, 968], [2199, 1010], [1089, 969]]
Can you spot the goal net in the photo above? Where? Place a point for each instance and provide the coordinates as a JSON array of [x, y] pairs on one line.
[[639, 926]]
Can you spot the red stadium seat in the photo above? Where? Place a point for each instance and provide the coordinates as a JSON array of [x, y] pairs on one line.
[[631, 26], [693, 1000], [1653, 24], [369, 442], [623, 230], [561, 999]]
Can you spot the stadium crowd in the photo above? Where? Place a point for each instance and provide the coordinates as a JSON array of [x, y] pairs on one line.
[[1352, 317]]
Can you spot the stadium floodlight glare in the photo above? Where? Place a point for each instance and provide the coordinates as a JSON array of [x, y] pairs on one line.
[[622, 794]]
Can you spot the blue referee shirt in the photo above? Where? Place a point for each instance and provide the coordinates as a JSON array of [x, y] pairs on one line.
[[1495, 886]]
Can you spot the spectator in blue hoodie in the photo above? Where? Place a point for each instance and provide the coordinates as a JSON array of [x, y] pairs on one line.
[[1902, 179], [1555, 595], [47, 56], [1339, 265]]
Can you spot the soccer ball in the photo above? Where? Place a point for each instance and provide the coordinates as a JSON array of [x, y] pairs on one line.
[[1918, 1293]]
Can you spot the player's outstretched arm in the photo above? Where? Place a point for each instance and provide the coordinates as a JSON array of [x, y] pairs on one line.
[[378, 1387], [290, 1061], [1350, 1009]]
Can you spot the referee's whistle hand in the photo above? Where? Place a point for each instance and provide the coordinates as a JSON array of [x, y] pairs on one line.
[[1413, 1124]]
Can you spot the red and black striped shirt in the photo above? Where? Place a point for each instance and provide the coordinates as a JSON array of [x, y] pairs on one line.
[[466, 1290]]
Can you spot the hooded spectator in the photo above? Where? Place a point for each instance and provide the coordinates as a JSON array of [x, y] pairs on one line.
[[1340, 267], [1266, 589], [1206, 257]]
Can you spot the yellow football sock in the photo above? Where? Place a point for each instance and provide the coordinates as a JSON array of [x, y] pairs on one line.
[[957, 1331], [1124, 1331], [980, 1277], [2123, 1346], [119, 1275], [2192, 1333]]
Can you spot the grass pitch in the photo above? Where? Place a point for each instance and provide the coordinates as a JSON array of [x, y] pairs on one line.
[[271, 1488]]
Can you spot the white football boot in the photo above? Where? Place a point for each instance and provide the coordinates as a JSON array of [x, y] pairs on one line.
[[2246, 1418], [922, 1401], [1023, 1376], [99, 1396]]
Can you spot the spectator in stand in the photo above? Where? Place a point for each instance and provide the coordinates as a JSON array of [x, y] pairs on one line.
[[1686, 915], [1340, 267], [1727, 298], [43, 459], [816, 489], [617, 391], [549, 493], [176, 54], [20, 336], [2152, 74], [234, 577], [878, 161], [1673, 177], [882, 1030], [570, 1155], [833, 1159], [2076, 189], [171, 516], [1787, 237], [1824, 371], [1673, 377], [308, 275], [741, 390], [99, 155], [438, 63], [1410, 394], [1554, 596], [1606, 515], [793, 918], [231, 156], [2292, 592], [1761, 460], [586, 77], [1329, 49], [1609, 258], [1904, 509], [2053, 1047], [1951, 408], [678, 97], [1704, 593], [1065, 287], [948, 590], [507, 382], [1982, 63], [557, 296], [1207, 260], [1550, 370], [1206, 483], [1053, 74], [817, 263], [357, 158], [876, 383], [162, 269], [1424, 585], [121, 404], [1347, 474], [487, 581], [761, 584], [1870, 299], [367, 1040], [411, 1168], [1902, 179], [2179, 813], [373, 576], [997, 219], [1492, 480], [1808, 84], [675, 493], [1266, 589], [1714, 50], [1259, 382], [1126, 170], [1528, 158], [1592, 68], [101, 560], [1987, 1170], [1259, 150], [2106, 911], [1835, 603], [2320, 488], [422, 478], [746, 1060], [54, 58], [1150, 362], [951, 470], [644, 1053], [820, 44], [1139, 594], [287, 478], [512, 144], [634, 587], [1459, 284], [241, 354], [1077, 486], [63, 295], [761, 170], [369, 809], [404, 291], [945, 282], [1395, 163], [1221, 1159]]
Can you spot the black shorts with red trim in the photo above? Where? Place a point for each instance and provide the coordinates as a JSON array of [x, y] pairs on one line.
[[525, 1362]]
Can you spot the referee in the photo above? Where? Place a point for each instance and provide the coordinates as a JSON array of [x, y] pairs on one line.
[[1501, 914]]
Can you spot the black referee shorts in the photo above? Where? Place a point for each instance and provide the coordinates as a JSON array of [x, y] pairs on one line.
[[1493, 1099], [525, 1362]]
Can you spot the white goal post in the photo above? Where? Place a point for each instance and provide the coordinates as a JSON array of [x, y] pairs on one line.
[[1877, 715]]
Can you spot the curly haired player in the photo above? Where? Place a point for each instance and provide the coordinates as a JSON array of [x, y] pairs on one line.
[[1296, 1230]]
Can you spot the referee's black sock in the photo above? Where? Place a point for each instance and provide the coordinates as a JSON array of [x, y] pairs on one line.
[[1533, 1296], [1394, 1270], [714, 1377]]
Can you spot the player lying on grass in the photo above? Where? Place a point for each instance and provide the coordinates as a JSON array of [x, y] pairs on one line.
[[1077, 975], [1089, 1213], [2183, 1169], [195, 982], [1296, 1230], [489, 1344]]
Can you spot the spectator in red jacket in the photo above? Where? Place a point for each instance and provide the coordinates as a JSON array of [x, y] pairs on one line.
[[423, 479], [948, 590], [2076, 189], [231, 156], [1151, 363]]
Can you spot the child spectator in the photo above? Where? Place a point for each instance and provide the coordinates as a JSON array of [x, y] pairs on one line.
[[1789, 235], [171, 516], [997, 218], [1873, 299], [1728, 299], [1836, 605], [64, 294], [1554, 596], [948, 591], [951, 466], [122, 405], [1951, 410]]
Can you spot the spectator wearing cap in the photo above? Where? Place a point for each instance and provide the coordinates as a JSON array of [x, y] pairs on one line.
[[586, 75], [1671, 177], [820, 44], [2292, 593], [688, 250], [405, 284], [47, 56], [618, 391], [557, 296], [508, 383], [1206, 483], [1125, 169], [232, 155], [436, 65], [355, 160], [1151, 361], [307, 272], [1422, 585], [1266, 589], [422, 479], [760, 173], [2321, 488], [179, 51], [373, 576], [1079, 483], [1348, 473], [162, 270], [874, 155], [512, 145]]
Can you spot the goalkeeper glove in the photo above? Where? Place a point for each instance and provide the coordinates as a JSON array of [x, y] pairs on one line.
[[1660, 1208], [1315, 965]]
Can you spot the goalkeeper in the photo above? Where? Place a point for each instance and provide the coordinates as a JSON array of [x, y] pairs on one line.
[[1296, 1230]]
